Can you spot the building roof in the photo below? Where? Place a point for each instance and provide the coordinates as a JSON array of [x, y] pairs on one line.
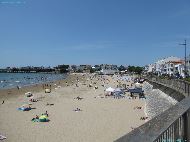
[[169, 59]]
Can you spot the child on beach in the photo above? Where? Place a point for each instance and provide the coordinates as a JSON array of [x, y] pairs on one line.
[[46, 113]]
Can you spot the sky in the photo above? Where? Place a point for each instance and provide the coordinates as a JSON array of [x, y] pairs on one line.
[[127, 32]]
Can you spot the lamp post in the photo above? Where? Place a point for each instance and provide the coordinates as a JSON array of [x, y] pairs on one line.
[[185, 68]]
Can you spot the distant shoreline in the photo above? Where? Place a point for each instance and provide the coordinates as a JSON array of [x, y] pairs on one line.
[[12, 92], [35, 72], [13, 80]]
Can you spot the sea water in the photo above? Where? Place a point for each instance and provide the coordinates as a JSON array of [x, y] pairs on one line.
[[12, 80]]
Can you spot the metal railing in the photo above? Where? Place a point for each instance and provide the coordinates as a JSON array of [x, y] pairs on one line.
[[173, 125]]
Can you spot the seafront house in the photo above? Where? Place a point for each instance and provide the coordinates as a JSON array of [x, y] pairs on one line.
[[108, 69], [171, 66], [150, 68], [82, 68], [174, 68], [179, 69]]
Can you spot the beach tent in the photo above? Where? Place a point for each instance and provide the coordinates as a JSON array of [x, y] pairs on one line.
[[138, 85], [110, 89], [118, 92], [47, 90]]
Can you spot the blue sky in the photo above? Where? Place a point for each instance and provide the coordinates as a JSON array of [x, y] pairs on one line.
[[128, 32]]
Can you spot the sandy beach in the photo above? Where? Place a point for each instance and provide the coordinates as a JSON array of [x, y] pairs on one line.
[[101, 119]]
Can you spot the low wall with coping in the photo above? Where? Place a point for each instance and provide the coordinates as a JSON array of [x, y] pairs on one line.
[[171, 125]]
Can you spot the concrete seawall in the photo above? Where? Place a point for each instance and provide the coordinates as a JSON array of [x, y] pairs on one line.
[[157, 126], [174, 93]]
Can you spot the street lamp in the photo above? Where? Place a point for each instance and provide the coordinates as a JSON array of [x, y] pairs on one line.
[[185, 68]]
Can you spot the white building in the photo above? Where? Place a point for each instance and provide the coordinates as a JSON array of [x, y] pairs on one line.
[[188, 64], [150, 68], [170, 66], [174, 67], [108, 72], [159, 67], [180, 69]]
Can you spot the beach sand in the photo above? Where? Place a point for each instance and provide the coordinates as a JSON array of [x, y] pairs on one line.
[[101, 119]]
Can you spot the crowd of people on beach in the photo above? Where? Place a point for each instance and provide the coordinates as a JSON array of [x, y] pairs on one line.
[[92, 80]]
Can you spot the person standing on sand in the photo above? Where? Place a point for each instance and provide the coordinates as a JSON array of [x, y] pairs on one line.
[[3, 102], [46, 113]]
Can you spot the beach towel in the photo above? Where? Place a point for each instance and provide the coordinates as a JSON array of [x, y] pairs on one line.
[[40, 120], [24, 109], [20, 108], [35, 120]]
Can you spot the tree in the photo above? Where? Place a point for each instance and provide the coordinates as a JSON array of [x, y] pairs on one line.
[[63, 68], [92, 70], [131, 68], [74, 67], [121, 68], [137, 70]]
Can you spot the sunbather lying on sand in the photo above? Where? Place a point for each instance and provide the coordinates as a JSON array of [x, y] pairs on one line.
[[24, 108], [49, 104], [77, 109], [42, 118], [37, 117], [33, 100], [143, 118], [137, 107], [78, 98]]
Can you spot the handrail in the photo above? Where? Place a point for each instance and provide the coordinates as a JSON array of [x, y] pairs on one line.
[[169, 126]]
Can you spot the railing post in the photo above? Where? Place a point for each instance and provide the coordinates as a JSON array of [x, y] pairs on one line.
[[172, 133], [186, 118], [176, 130], [188, 89]]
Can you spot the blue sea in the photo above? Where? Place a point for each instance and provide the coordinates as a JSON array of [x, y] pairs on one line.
[[12, 80]]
